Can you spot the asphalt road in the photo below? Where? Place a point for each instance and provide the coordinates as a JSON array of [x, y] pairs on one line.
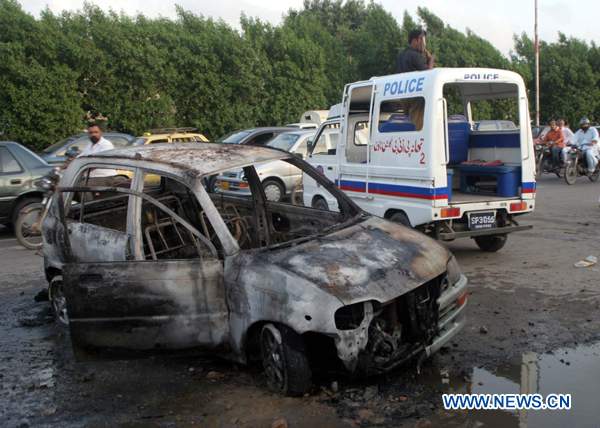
[[530, 312]]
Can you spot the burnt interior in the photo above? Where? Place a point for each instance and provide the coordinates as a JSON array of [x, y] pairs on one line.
[[253, 222]]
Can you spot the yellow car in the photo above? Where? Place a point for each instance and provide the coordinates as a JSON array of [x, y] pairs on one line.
[[164, 135]]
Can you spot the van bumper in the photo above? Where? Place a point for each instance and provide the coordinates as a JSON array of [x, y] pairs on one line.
[[485, 232]]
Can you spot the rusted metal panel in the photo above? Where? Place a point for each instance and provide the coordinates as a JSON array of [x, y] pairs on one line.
[[373, 260], [147, 305]]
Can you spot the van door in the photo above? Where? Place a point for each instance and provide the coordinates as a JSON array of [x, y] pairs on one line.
[[168, 295], [356, 138], [323, 156]]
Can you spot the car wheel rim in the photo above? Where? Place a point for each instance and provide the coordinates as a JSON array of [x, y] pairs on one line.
[[273, 359], [272, 193], [59, 304]]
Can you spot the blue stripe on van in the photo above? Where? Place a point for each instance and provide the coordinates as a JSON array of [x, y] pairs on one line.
[[395, 190]]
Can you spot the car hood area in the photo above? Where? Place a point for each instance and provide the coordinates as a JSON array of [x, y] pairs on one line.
[[373, 260]]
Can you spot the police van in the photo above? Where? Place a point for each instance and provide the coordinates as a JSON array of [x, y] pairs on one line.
[[408, 151]]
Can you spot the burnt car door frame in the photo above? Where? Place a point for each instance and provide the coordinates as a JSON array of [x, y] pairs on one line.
[[144, 305]]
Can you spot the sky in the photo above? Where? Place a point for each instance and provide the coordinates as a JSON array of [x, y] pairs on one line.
[[495, 21]]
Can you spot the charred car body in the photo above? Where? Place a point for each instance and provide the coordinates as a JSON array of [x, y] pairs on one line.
[[172, 267]]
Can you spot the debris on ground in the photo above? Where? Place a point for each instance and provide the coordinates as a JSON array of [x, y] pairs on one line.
[[214, 376], [587, 262], [280, 423]]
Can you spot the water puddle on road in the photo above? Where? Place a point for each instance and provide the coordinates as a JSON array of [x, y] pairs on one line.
[[534, 374]]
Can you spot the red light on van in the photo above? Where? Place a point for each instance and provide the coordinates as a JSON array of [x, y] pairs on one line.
[[518, 207], [462, 299], [450, 212]]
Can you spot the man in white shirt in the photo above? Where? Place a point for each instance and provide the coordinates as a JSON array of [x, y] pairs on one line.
[[99, 177], [567, 135], [586, 139]]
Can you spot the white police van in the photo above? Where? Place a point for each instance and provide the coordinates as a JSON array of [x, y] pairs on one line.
[[408, 152]]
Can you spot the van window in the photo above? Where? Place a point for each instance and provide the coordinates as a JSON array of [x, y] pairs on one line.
[[361, 133], [402, 115], [331, 131], [506, 109]]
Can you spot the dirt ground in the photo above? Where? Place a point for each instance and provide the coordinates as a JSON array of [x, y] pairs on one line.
[[525, 300]]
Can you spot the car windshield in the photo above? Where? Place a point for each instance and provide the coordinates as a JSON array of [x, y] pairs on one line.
[[536, 130], [234, 137], [137, 142], [284, 141], [58, 145]]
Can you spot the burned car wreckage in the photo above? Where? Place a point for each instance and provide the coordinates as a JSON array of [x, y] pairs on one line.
[[157, 264]]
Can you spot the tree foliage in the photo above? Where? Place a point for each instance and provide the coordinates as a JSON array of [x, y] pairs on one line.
[[133, 73]]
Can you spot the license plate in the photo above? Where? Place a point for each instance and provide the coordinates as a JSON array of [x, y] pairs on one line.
[[224, 185], [478, 221]]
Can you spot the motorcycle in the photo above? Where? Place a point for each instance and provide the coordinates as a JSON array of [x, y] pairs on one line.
[[543, 162], [28, 228], [577, 166]]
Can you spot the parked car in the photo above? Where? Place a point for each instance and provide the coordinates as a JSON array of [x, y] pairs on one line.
[[168, 135], [20, 174], [302, 125], [172, 267], [278, 178], [56, 153], [254, 136], [163, 135]]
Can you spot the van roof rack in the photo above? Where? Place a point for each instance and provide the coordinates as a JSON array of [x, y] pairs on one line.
[[170, 130]]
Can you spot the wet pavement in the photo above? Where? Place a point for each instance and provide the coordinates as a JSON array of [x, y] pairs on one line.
[[528, 309]]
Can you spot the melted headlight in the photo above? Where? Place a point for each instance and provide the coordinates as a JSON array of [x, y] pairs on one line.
[[452, 271]]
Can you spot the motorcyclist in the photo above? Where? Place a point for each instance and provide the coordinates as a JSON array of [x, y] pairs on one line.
[[586, 139], [554, 138]]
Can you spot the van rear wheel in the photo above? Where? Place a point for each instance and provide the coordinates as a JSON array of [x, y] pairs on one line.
[[491, 244]]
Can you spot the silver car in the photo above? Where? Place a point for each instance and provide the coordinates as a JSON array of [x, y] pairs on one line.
[[278, 178], [164, 268]]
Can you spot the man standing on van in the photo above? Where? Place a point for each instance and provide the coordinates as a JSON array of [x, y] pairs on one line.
[[415, 57]]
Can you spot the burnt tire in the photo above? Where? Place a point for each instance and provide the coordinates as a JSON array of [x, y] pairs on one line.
[[571, 173], [401, 218], [58, 302], [321, 204], [285, 360], [491, 244]]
